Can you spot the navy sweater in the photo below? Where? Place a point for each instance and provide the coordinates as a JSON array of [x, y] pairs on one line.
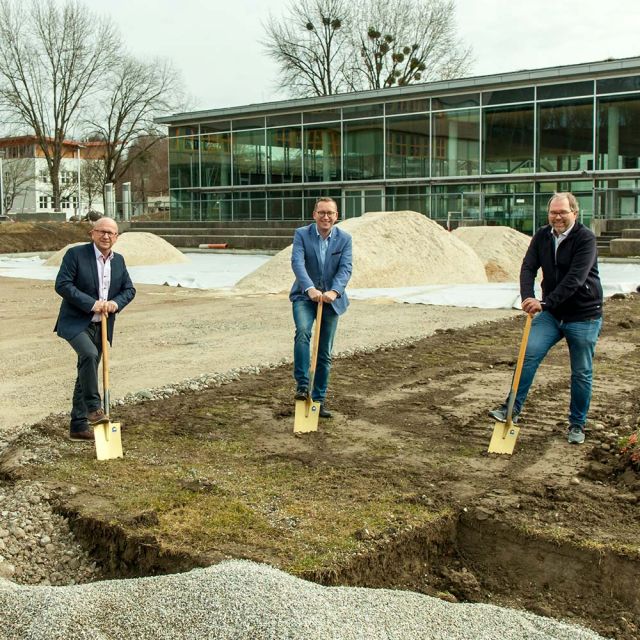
[[571, 288]]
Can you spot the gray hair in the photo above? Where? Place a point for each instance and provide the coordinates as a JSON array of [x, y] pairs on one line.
[[573, 201]]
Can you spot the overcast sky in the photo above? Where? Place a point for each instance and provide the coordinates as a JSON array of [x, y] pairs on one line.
[[216, 43]]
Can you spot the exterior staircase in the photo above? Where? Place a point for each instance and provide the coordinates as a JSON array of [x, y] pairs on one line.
[[266, 235], [620, 238]]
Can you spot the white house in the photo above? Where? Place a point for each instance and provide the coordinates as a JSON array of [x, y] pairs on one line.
[[26, 185]]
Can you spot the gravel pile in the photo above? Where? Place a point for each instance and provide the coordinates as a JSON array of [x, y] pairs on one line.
[[242, 600]]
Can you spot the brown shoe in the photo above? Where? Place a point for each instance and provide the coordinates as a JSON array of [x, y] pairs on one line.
[[97, 417], [81, 436]]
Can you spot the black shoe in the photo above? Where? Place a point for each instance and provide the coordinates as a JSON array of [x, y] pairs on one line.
[[302, 393], [324, 412]]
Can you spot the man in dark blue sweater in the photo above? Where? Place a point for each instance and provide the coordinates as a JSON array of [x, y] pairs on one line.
[[571, 306]]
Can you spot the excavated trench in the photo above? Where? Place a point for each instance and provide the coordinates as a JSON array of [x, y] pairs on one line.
[[460, 558]]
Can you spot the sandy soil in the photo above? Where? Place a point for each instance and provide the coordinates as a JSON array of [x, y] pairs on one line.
[[218, 473], [168, 335]]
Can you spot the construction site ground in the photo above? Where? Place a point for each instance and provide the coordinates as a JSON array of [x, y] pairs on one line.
[[397, 490]]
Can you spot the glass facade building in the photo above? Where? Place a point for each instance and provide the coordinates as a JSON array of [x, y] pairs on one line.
[[491, 148]]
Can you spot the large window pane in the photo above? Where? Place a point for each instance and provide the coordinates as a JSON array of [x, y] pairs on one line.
[[615, 85], [322, 152], [456, 146], [407, 106], [249, 157], [508, 140], [504, 96], [216, 160], [363, 111], [510, 205], [284, 155], [363, 150], [452, 204], [566, 136], [184, 204], [250, 205], [284, 205], [565, 90], [408, 147], [411, 198], [184, 160], [619, 133], [216, 206], [459, 101]]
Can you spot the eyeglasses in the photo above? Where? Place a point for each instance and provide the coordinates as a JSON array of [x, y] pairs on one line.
[[563, 212], [100, 232], [326, 214]]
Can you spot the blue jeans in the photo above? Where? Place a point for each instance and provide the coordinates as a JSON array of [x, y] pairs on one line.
[[581, 337], [304, 315]]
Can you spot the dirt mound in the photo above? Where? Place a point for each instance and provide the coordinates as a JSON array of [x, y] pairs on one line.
[[501, 249], [22, 237], [138, 249], [390, 249]]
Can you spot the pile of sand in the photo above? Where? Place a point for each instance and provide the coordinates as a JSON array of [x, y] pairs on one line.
[[501, 249], [390, 249], [137, 248]]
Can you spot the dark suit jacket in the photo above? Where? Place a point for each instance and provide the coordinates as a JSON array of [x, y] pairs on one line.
[[305, 262], [77, 283]]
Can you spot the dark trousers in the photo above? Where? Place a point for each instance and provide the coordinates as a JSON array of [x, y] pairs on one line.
[[86, 394]]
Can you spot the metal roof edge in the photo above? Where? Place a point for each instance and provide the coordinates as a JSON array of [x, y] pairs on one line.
[[567, 72]]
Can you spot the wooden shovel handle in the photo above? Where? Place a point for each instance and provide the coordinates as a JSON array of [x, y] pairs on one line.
[[316, 343], [518, 371], [105, 362]]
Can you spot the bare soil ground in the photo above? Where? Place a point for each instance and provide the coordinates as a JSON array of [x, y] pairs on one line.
[[24, 237], [397, 490]]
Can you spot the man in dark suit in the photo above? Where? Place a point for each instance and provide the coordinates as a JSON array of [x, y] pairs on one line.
[[321, 261], [93, 280]]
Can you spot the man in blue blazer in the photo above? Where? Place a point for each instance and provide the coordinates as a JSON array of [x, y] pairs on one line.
[[322, 263], [93, 280]]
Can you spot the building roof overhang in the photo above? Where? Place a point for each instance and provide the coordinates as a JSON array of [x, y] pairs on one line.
[[549, 75]]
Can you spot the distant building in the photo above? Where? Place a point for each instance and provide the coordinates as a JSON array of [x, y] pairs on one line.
[[490, 148], [26, 182]]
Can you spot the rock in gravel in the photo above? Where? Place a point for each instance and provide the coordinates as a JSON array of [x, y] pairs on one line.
[[238, 600]]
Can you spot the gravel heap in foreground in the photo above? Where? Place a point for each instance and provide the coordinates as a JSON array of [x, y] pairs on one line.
[[243, 600]]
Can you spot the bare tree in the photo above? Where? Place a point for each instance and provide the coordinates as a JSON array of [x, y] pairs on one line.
[[135, 93], [147, 170], [310, 46], [53, 58], [327, 46], [405, 41], [17, 175], [92, 181]]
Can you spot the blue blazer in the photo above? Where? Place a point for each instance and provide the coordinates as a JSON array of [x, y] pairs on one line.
[[77, 283], [305, 261]]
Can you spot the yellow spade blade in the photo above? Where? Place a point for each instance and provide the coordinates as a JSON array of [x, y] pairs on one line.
[[108, 441], [306, 418], [504, 438]]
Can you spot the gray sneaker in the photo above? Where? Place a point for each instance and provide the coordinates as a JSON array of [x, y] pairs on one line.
[[576, 434], [500, 414]]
